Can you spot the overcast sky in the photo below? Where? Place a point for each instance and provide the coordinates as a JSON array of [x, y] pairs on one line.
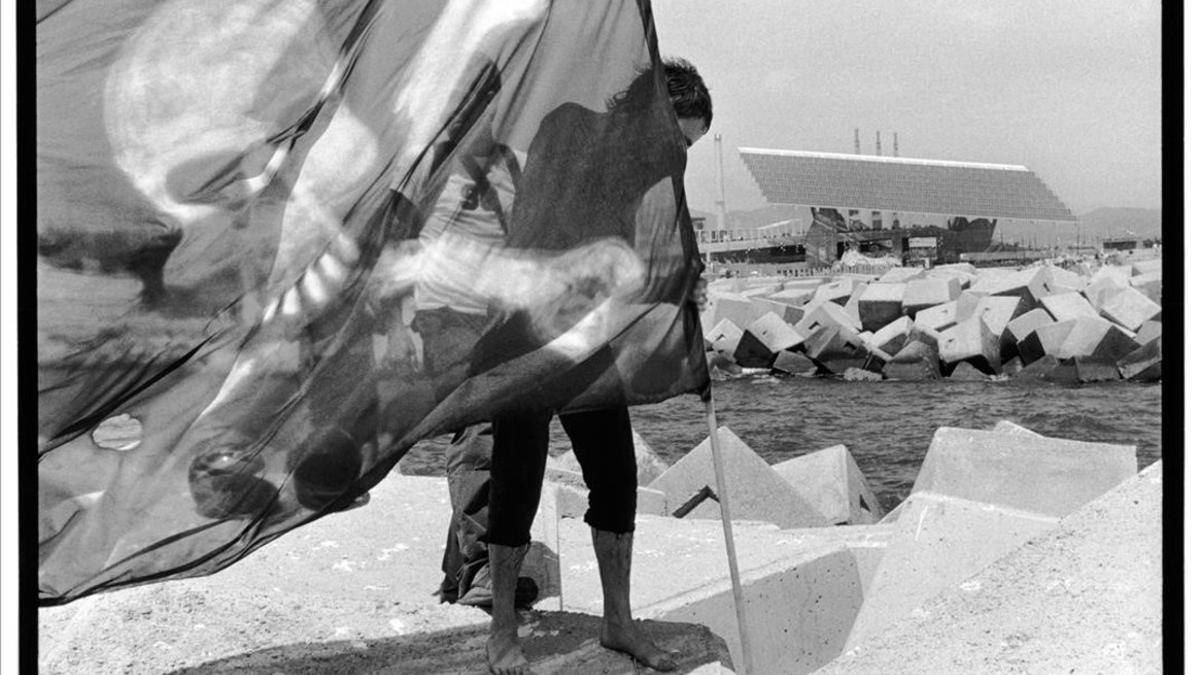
[[1071, 89]]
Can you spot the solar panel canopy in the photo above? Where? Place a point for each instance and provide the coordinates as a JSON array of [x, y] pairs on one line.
[[902, 184]]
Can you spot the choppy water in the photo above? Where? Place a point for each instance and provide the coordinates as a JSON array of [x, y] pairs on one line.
[[887, 426]]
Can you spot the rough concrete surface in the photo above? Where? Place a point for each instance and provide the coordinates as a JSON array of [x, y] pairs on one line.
[[1085, 597], [350, 593]]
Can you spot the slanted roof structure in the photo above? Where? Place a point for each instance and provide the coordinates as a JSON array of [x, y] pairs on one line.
[[903, 184]]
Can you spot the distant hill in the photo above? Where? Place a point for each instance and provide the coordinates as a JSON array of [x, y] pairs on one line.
[[1117, 222]]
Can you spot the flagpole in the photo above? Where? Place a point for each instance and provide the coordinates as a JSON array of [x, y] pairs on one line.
[[739, 605]]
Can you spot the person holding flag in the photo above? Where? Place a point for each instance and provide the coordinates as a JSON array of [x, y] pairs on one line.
[[600, 436]]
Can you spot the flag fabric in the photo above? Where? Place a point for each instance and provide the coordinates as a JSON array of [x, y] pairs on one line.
[[281, 242]]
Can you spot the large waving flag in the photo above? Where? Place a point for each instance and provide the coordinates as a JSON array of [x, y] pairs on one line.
[[281, 242]]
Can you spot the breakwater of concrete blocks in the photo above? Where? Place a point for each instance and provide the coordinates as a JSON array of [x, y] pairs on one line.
[[1067, 323], [1053, 545]]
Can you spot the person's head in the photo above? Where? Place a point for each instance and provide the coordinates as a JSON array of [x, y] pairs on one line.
[[690, 98], [688, 93]]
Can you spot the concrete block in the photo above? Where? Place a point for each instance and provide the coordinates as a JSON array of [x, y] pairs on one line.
[[836, 348], [1069, 305], [755, 491], [1011, 367], [761, 290], [789, 313], [1118, 273], [968, 303], [1020, 328], [964, 278], [939, 317], [1037, 370], [965, 267], [922, 334], [938, 542], [1062, 280], [752, 353], [1031, 284], [851, 306], [1082, 370], [920, 294], [1044, 475], [891, 337], [796, 297], [1146, 267], [997, 311], [1100, 288], [827, 314], [1143, 364], [1129, 308], [735, 308], [830, 480], [915, 361], [880, 304], [836, 291], [724, 337], [1044, 340], [963, 371], [970, 341], [1149, 285], [793, 363], [1086, 596], [1148, 332], [809, 283], [1095, 338], [900, 275], [775, 333]]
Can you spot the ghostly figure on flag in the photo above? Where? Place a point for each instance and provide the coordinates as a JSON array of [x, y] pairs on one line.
[[242, 207]]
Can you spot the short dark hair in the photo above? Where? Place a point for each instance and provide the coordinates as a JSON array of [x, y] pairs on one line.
[[688, 92]]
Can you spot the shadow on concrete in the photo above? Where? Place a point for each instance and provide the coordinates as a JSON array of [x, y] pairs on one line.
[[459, 650], [554, 642]]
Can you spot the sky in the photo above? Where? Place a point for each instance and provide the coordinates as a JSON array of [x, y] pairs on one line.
[[1071, 89]]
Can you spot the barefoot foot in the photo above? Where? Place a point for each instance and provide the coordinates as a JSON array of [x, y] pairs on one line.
[[631, 640], [504, 655]]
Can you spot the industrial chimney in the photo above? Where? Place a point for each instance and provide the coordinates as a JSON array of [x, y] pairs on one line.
[[857, 149]]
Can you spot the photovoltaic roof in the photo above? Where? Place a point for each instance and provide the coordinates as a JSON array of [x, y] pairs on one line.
[[908, 185]]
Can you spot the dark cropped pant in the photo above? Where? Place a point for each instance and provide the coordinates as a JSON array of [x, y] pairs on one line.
[[603, 444]]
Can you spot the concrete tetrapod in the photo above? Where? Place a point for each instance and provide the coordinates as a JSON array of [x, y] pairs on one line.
[[1084, 597], [1129, 308], [789, 313], [938, 541], [971, 341], [756, 492], [1043, 475], [1069, 305], [830, 480], [920, 294], [997, 311], [880, 304], [835, 349], [736, 308], [724, 337]]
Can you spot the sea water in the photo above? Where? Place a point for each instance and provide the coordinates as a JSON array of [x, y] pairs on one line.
[[887, 426]]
